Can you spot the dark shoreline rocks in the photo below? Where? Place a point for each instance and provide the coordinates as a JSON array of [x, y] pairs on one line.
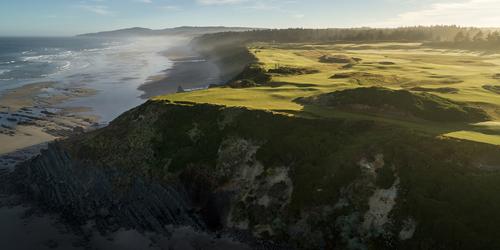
[[82, 192], [266, 180]]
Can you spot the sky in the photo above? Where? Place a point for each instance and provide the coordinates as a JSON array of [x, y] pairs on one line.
[[71, 17]]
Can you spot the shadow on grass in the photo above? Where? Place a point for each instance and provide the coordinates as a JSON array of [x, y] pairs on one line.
[[419, 125], [298, 85]]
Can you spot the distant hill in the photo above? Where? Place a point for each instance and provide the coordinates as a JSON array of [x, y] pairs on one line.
[[180, 31]]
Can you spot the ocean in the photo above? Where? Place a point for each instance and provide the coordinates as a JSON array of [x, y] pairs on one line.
[[113, 67]]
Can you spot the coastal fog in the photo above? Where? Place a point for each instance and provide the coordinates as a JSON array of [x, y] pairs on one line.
[[50, 86], [113, 67], [54, 87]]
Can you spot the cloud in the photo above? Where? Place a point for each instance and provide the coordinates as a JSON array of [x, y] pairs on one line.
[[144, 1], [97, 9], [298, 16], [171, 7], [220, 2], [482, 13], [277, 6], [252, 4], [261, 5]]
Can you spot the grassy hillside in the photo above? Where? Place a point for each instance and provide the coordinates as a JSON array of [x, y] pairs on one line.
[[308, 183], [345, 146], [460, 76], [399, 102]]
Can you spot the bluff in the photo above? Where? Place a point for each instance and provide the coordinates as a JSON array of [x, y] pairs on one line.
[[271, 179]]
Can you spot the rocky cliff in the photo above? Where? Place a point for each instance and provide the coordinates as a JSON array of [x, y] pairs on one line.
[[272, 180]]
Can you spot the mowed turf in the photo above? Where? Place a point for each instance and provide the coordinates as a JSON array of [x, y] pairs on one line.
[[457, 75]]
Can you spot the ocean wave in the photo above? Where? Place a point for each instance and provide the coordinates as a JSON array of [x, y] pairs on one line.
[[3, 71], [94, 50], [48, 58], [190, 61], [8, 62], [66, 66], [32, 58], [51, 49]]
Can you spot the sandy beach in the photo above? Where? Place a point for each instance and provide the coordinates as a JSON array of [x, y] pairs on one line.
[[33, 114], [28, 117], [190, 71]]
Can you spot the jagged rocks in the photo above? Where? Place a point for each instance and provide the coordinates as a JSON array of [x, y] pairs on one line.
[[258, 195], [82, 192], [364, 209], [287, 181]]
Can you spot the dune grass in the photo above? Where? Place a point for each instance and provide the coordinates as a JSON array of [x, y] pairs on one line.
[[391, 65]]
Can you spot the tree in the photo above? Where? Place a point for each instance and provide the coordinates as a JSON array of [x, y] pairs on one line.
[[478, 37], [493, 37], [460, 37]]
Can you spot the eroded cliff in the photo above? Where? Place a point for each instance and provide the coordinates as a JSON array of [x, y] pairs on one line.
[[272, 180]]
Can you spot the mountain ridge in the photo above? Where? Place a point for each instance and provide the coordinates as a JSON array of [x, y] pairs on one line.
[[181, 30]]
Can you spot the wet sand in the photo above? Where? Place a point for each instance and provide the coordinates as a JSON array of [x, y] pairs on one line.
[[25, 136], [32, 114], [28, 116], [190, 72]]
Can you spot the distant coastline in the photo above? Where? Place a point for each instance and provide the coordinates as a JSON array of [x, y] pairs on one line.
[[85, 100]]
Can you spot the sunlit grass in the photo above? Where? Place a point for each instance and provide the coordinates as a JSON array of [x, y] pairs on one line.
[[394, 65], [475, 136]]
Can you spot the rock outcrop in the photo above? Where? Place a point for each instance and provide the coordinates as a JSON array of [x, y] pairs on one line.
[[268, 180], [83, 192]]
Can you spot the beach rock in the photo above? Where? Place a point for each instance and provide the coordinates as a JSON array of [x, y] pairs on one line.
[[180, 89], [78, 130], [52, 244], [77, 189]]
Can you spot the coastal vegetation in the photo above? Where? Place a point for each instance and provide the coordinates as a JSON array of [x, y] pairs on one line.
[[434, 36], [444, 76], [317, 139], [274, 174], [402, 102]]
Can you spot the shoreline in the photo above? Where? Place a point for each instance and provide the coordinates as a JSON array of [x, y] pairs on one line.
[[197, 66], [34, 114], [29, 119], [190, 71]]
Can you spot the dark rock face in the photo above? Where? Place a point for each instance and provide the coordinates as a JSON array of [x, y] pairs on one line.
[[266, 179], [82, 192]]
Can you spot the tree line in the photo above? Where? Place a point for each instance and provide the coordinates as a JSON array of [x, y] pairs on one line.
[[444, 35]]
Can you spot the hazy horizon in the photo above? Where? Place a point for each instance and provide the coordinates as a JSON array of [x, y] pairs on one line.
[[68, 18]]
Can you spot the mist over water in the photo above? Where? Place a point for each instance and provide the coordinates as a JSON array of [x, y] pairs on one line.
[[113, 67]]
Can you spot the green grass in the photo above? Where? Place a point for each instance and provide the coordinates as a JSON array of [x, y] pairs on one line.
[[400, 103], [411, 65], [475, 136]]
